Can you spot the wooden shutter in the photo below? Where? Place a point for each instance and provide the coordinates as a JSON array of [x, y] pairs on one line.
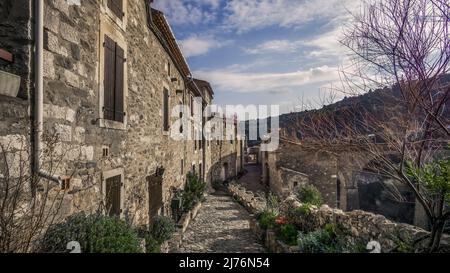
[[119, 81], [166, 110], [113, 188], [109, 82], [155, 195], [116, 6]]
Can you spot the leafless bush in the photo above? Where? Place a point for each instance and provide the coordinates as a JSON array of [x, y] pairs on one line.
[[404, 46], [29, 204]]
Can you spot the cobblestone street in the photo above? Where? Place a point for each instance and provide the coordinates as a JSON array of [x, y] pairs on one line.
[[220, 227]]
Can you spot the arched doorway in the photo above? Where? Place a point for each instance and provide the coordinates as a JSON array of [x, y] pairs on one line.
[[338, 193]]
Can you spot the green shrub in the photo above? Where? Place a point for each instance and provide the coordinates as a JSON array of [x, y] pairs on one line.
[[193, 192], [162, 228], [288, 234], [405, 245], [309, 194], [273, 203], [305, 209], [318, 241], [152, 245], [95, 233], [267, 220], [331, 229], [326, 241]]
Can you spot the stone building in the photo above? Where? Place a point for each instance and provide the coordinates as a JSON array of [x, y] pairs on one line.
[[342, 178], [229, 149], [112, 74]]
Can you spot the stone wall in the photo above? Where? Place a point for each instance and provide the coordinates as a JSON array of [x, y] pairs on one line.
[[344, 180], [361, 226], [357, 226], [14, 113], [73, 86], [253, 204], [291, 166], [229, 155]]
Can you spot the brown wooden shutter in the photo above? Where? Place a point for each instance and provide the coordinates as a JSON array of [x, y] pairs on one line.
[[166, 110], [116, 6], [113, 188], [119, 81], [109, 82], [155, 195]]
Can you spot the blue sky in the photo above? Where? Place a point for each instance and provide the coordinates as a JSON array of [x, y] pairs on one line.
[[262, 51]]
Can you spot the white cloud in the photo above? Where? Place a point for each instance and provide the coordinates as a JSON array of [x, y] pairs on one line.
[[227, 80], [327, 44], [196, 46], [273, 46], [245, 15], [181, 12]]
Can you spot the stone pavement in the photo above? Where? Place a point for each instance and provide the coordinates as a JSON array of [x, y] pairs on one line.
[[221, 226]]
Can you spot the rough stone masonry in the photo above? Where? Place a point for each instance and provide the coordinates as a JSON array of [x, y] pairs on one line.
[[93, 149]]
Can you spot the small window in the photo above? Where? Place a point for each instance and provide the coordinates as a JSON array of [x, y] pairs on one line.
[[168, 69], [65, 184], [182, 166], [105, 151], [116, 6], [166, 110]]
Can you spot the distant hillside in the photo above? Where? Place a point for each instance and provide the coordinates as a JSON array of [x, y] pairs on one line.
[[381, 104]]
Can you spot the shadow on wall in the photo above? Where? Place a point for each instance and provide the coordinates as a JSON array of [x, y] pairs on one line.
[[374, 196]]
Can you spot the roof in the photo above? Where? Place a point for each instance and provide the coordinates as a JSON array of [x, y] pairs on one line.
[[158, 23], [206, 85]]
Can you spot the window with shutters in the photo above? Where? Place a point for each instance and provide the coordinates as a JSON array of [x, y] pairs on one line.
[[114, 59], [166, 124], [113, 193], [116, 6]]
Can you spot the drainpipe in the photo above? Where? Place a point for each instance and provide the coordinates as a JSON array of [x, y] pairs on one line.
[[39, 92]]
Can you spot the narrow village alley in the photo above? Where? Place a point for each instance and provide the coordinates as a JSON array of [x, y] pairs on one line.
[[222, 225]]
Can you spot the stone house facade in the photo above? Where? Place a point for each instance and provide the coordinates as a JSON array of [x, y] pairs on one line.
[[229, 151], [112, 74]]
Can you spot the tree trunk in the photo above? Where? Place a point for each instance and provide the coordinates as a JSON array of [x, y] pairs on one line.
[[436, 234]]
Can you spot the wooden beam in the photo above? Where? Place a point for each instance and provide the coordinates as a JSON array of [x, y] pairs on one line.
[[5, 55]]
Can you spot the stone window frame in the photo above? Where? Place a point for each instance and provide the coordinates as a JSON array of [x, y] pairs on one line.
[[121, 23], [109, 28], [113, 173]]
